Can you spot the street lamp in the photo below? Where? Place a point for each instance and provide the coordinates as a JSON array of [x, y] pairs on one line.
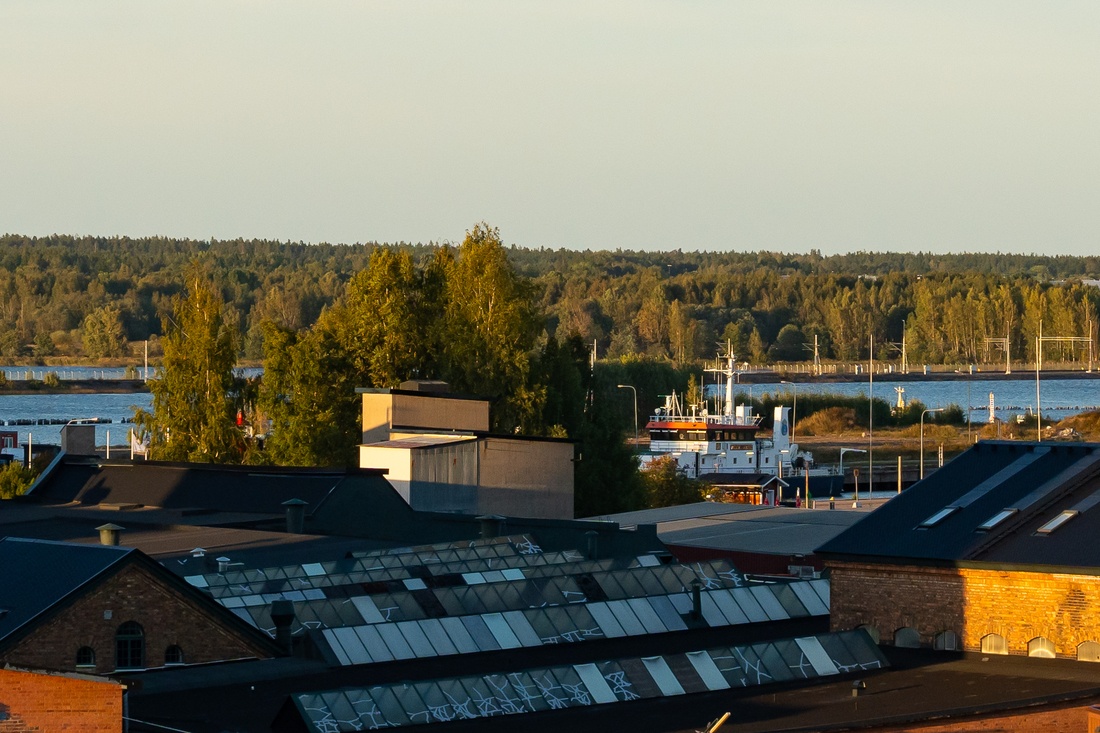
[[631, 388], [842, 452], [794, 410], [935, 409]]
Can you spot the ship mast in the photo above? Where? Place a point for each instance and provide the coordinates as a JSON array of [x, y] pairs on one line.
[[729, 372]]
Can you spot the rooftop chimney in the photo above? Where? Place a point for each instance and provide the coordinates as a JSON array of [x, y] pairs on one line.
[[223, 564], [490, 525], [282, 614], [295, 515], [109, 534]]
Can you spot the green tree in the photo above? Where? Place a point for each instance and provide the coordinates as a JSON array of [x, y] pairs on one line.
[[666, 485], [195, 394], [490, 326], [103, 333], [15, 480], [307, 396]]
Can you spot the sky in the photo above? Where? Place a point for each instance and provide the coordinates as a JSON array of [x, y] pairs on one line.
[[728, 125]]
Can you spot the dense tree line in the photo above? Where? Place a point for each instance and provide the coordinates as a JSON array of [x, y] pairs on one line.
[[69, 296]]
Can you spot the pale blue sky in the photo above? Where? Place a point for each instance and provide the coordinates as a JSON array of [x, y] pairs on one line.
[[839, 125]]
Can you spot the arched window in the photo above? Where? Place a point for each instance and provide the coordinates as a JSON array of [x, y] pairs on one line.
[[173, 655], [85, 657], [872, 631], [994, 644], [907, 637], [1088, 651], [1040, 647], [947, 641], [130, 646]]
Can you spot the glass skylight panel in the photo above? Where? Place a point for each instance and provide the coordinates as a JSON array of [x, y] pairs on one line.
[[197, 580], [648, 561], [1057, 521], [395, 641], [787, 598], [367, 609], [682, 603], [626, 618], [521, 627], [353, 647], [501, 631], [473, 578], [817, 655], [606, 620], [438, 638], [1000, 477], [711, 613], [996, 519], [459, 635], [662, 675], [938, 517], [774, 662], [513, 574], [810, 599], [645, 613], [707, 671], [764, 596], [595, 683], [729, 608], [414, 584], [821, 586], [480, 632], [373, 643], [838, 652], [664, 608], [416, 639]]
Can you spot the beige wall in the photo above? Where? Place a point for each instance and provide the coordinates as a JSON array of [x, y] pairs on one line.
[[396, 461], [382, 410], [526, 478]]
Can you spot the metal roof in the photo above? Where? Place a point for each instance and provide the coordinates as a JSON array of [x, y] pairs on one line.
[[996, 504], [38, 574]]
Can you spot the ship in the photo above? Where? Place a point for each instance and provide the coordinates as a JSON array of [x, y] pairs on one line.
[[729, 452]]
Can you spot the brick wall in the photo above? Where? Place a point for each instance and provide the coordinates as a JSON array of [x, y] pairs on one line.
[[133, 594], [1019, 606], [43, 703]]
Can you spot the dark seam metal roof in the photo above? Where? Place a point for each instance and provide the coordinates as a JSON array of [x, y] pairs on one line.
[[38, 574], [940, 520]]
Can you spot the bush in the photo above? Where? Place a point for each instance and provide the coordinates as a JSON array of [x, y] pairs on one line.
[[51, 380], [830, 421]]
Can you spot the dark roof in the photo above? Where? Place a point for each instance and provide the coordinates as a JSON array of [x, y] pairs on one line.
[[923, 686], [37, 575], [992, 505], [248, 489]]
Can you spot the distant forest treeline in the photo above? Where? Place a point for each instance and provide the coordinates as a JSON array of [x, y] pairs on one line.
[[90, 296]]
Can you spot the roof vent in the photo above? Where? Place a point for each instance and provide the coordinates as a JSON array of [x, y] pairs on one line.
[[109, 534], [282, 614], [198, 552], [295, 515], [490, 525], [223, 564]]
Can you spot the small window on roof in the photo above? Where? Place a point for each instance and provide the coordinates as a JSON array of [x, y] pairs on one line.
[[996, 519], [938, 517], [1057, 521]]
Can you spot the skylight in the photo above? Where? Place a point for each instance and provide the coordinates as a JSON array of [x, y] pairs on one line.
[[996, 519], [938, 517], [1058, 521]]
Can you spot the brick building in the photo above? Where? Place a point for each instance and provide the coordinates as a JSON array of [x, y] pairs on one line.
[[35, 701], [995, 552], [98, 609]]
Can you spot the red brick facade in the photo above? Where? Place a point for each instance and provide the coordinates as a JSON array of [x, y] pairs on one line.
[[45, 703], [167, 616], [1019, 606]]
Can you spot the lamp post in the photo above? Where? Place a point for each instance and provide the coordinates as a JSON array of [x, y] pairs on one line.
[[631, 388], [794, 410], [842, 452], [935, 409]]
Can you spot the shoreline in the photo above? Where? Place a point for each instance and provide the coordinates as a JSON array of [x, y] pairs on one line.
[[76, 386]]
